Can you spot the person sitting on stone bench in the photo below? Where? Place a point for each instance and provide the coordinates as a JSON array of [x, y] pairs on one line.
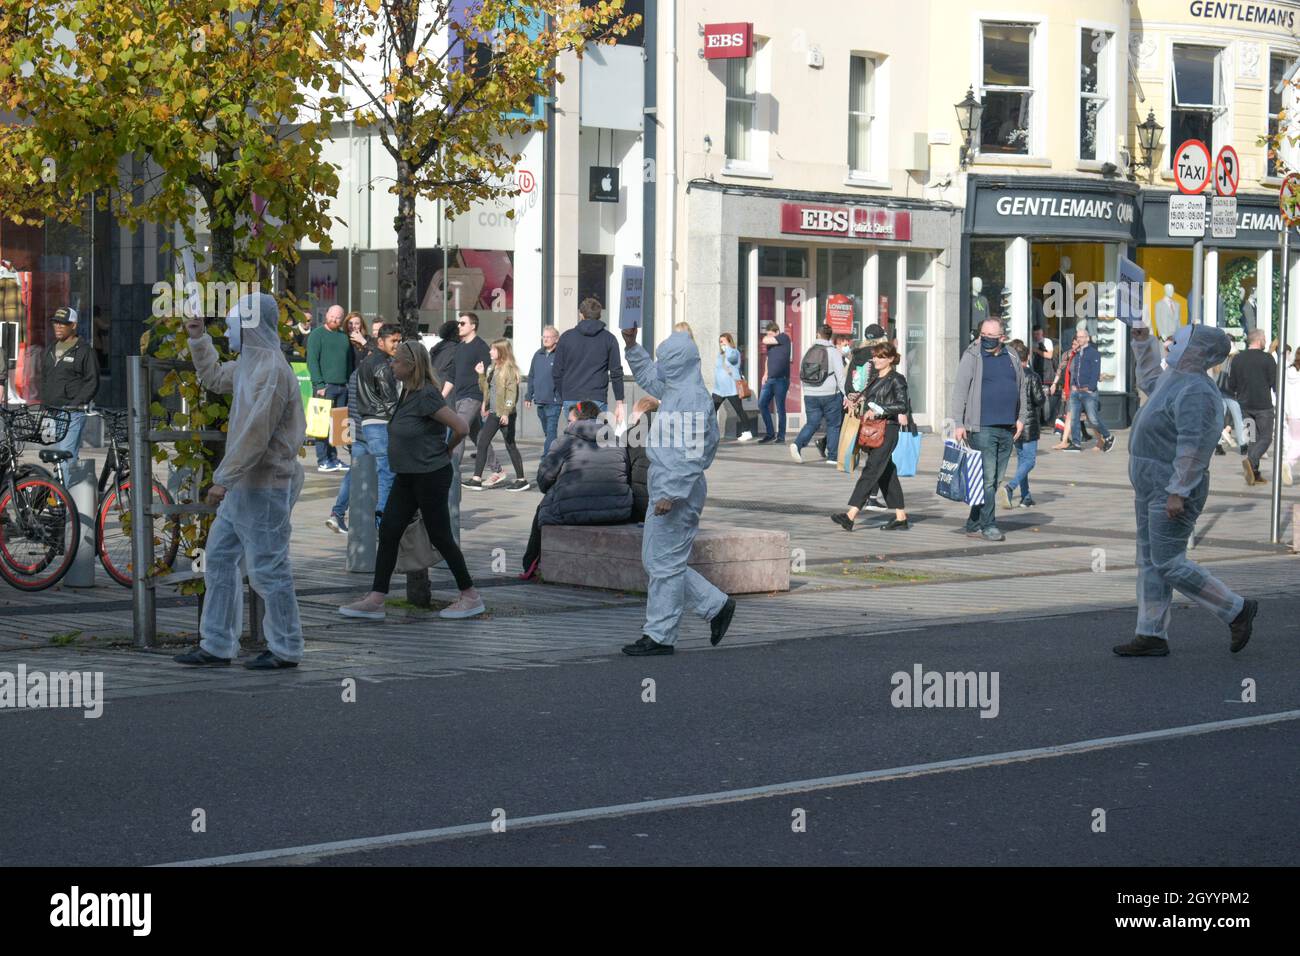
[[586, 478], [640, 461]]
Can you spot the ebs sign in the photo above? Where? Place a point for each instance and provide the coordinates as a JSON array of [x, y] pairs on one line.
[[724, 41]]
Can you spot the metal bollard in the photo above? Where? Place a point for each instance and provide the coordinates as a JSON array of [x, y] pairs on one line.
[[363, 498], [81, 485]]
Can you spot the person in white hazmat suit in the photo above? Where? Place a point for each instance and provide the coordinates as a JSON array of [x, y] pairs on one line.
[[255, 488], [1170, 449], [680, 444]]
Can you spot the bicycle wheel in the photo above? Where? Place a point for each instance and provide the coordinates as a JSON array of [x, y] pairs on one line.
[[113, 541], [39, 531]]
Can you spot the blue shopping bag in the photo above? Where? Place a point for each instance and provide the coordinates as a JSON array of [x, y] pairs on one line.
[[961, 474], [906, 453]]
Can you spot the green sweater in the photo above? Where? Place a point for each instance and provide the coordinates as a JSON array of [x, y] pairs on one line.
[[329, 357]]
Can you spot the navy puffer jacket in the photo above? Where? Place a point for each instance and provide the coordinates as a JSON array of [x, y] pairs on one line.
[[584, 482]]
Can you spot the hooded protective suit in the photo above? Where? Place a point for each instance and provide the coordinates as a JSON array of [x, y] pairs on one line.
[[680, 443], [262, 477], [1171, 446]]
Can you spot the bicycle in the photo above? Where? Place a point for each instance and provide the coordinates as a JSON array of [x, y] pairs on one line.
[[112, 538], [39, 525]]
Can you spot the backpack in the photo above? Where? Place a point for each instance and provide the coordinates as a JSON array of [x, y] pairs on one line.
[[816, 366]]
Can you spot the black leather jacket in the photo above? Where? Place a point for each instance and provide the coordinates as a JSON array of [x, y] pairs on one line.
[[890, 393], [376, 387]]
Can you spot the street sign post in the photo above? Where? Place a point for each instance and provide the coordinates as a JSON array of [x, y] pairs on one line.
[[1227, 172], [1192, 173], [1187, 216], [1223, 217], [1289, 203]]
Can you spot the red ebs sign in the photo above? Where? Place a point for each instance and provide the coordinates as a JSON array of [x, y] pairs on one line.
[[848, 222], [728, 40]]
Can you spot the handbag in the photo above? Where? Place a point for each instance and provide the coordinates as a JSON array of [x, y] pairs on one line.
[[743, 391], [414, 552], [871, 433], [318, 417]]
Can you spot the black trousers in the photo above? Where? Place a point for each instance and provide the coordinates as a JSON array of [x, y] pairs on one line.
[[426, 492], [880, 472], [492, 425], [737, 409], [1263, 419]]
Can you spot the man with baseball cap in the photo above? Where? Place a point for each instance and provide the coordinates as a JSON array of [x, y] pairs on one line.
[[69, 377]]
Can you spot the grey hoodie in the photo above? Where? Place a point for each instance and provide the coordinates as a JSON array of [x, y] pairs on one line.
[[967, 393]]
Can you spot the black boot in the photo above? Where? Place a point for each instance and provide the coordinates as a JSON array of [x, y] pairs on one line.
[[1143, 645], [201, 658], [647, 647], [1243, 624], [721, 621]]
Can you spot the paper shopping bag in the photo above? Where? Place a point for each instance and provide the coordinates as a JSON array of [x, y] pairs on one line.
[[846, 456], [340, 427], [952, 480], [973, 475]]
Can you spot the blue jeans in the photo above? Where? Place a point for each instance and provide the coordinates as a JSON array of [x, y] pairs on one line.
[[568, 407], [548, 414], [373, 440], [822, 408], [1092, 404], [774, 388], [356, 450], [994, 442], [70, 442], [337, 395], [1026, 458], [1233, 407]]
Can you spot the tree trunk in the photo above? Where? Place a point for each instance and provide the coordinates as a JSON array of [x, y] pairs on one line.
[[408, 307]]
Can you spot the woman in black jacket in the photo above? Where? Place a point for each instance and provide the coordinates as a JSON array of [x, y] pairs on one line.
[[885, 397], [586, 477]]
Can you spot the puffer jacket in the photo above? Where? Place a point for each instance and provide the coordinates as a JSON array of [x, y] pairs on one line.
[[585, 482], [1033, 400], [640, 462], [890, 393]]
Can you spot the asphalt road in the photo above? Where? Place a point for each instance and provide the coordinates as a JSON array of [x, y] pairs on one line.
[[295, 765]]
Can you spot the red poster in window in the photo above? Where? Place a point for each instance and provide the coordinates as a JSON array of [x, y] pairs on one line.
[[728, 41], [839, 314], [884, 312]]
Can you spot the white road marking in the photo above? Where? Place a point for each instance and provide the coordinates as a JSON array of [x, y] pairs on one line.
[[484, 828]]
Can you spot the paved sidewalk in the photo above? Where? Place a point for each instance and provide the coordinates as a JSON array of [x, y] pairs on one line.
[[1075, 550]]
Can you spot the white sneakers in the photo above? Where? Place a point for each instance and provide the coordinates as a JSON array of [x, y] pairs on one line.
[[746, 436], [795, 453], [368, 609]]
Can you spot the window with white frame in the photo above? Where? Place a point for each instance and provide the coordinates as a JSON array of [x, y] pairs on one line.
[[1279, 66], [1005, 88], [1094, 94], [862, 111], [742, 109], [1198, 95]]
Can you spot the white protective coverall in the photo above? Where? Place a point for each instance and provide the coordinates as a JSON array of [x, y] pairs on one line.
[[1171, 445], [681, 442], [262, 477]]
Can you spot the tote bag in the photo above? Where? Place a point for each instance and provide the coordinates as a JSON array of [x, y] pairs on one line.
[[961, 474], [318, 417], [906, 453]]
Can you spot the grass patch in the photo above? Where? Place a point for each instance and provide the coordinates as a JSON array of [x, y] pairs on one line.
[[881, 575], [65, 638]]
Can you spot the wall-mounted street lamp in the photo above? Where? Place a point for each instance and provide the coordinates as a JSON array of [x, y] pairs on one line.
[[1149, 132], [969, 113]]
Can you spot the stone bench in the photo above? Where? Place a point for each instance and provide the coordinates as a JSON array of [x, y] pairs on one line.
[[736, 560]]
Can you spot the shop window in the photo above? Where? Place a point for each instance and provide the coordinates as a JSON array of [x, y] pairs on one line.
[[988, 263], [1094, 94], [742, 306], [887, 309], [862, 112], [742, 109], [916, 352], [839, 275], [1198, 95], [918, 267], [1005, 88], [782, 262], [1278, 69]]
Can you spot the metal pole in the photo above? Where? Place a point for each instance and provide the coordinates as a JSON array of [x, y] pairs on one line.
[[142, 594], [1198, 282], [1279, 419]]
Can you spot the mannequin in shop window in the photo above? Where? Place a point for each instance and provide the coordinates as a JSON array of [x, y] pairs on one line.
[[1168, 313], [1248, 319], [979, 305]]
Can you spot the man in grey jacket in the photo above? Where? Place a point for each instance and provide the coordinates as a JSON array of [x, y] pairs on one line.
[[988, 411], [823, 397]]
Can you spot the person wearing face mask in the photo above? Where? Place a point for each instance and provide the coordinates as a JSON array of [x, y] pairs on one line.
[[989, 411], [254, 488], [1170, 447]]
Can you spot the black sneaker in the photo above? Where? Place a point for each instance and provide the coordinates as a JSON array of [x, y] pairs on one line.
[[721, 621], [842, 519], [473, 482], [1108, 443], [1218, 450], [1243, 624], [519, 484], [266, 661], [875, 504], [821, 445], [201, 658], [647, 647], [767, 439], [1143, 645], [1073, 447], [1027, 502]]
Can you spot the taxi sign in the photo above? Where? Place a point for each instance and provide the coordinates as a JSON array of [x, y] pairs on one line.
[[1192, 167]]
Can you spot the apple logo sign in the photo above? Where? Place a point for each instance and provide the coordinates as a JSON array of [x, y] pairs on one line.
[[605, 183]]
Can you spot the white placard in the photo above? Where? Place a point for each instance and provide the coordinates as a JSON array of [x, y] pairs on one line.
[[631, 289], [1187, 216], [1223, 217]]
